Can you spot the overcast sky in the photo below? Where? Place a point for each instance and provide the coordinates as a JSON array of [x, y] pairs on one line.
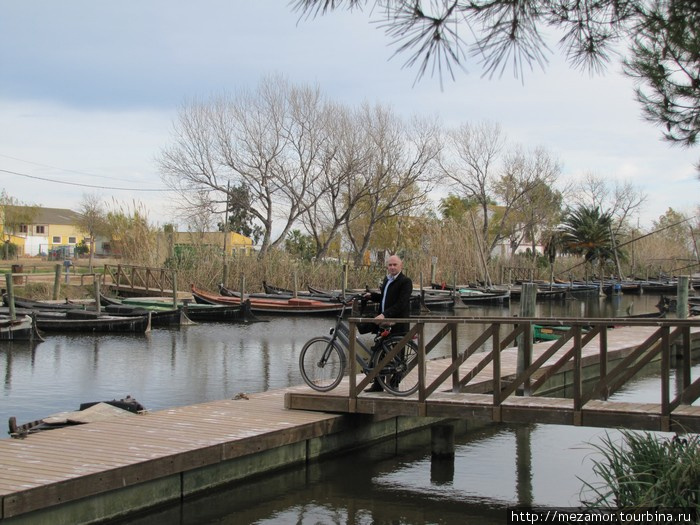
[[89, 92]]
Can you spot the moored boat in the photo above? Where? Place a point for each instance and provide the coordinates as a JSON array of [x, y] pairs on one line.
[[471, 296], [83, 321], [271, 306], [551, 332], [31, 304], [22, 328], [234, 313]]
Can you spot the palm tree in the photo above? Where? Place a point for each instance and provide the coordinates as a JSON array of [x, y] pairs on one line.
[[586, 231]]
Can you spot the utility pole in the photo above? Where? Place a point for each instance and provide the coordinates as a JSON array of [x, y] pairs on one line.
[[224, 275]]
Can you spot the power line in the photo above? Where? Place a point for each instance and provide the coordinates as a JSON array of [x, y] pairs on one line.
[[57, 168], [81, 185]]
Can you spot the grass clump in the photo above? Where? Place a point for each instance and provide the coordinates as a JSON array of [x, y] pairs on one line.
[[646, 471]]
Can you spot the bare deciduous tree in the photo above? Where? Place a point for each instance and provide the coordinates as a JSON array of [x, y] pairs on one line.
[[400, 172], [525, 192], [267, 140], [93, 221], [340, 186], [509, 186], [472, 162], [620, 199]]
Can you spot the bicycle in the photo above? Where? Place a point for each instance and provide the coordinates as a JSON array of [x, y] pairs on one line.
[[323, 359]]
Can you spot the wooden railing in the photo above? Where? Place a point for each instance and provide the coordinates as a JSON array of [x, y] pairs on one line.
[[585, 343], [141, 278], [74, 277]]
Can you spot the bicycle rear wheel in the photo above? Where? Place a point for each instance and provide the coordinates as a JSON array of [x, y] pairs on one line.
[[322, 363], [401, 377]]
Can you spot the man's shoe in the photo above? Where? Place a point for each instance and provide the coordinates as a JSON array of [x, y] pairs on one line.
[[374, 387]]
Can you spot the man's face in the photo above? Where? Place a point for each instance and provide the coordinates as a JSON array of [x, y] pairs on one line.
[[393, 266]]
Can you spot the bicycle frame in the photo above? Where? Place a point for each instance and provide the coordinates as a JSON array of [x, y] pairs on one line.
[[341, 333]]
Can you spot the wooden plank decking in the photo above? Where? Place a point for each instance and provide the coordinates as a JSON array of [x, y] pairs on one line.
[[60, 465]]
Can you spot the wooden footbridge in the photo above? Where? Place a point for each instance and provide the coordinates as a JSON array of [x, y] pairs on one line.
[[133, 280], [567, 382]]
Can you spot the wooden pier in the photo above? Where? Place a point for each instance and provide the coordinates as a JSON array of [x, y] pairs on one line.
[[102, 470], [109, 469]]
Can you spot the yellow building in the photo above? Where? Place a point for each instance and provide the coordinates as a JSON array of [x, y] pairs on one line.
[[236, 244], [49, 231]]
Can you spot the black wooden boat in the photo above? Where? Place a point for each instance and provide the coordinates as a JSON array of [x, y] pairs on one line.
[[22, 328], [274, 292], [436, 300], [193, 311], [472, 296], [84, 321], [31, 304], [170, 317]]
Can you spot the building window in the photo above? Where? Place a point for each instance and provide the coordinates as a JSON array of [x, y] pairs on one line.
[[56, 239], [23, 228], [41, 229], [71, 240]]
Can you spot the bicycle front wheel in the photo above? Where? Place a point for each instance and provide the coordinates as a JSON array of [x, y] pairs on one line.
[[400, 376], [322, 364]]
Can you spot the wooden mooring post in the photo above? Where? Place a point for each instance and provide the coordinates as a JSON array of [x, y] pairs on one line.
[[682, 297], [96, 289], [10, 295], [344, 284], [442, 440], [242, 287], [528, 306], [57, 282], [174, 288]]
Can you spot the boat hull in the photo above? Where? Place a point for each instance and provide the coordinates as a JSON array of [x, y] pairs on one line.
[[269, 306], [23, 328]]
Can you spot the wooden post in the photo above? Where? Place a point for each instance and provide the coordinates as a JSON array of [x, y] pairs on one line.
[[57, 282], [344, 284], [242, 288], [682, 297], [224, 275], [96, 286], [10, 295], [295, 292], [422, 291], [442, 441], [528, 299], [174, 289], [433, 269]]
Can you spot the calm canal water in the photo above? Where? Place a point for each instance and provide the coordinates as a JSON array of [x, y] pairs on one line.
[[494, 468]]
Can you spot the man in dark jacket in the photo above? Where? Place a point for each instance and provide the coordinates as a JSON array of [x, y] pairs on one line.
[[394, 300], [395, 295]]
